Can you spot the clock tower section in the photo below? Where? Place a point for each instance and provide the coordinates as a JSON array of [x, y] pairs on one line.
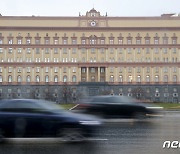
[[93, 18]]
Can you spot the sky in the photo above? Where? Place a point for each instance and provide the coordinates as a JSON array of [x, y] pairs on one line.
[[73, 7]]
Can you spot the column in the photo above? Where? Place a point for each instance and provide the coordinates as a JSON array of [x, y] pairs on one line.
[[106, 75], [98, 74], [87, 74], [79, 74]]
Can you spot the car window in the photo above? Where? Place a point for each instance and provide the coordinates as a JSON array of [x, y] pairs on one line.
[[18, 104]]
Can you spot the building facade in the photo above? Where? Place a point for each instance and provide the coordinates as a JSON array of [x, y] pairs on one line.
[[61, 58]]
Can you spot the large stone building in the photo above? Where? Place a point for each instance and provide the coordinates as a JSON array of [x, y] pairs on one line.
[[67, 57]]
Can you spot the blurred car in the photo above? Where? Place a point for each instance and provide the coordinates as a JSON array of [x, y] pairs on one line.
[[117, 107], [40, 118]]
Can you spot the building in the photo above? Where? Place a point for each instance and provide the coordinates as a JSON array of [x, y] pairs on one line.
[[60, 58]]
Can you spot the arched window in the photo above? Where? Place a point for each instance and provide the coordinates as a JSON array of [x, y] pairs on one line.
[[111, 78], [19, 78], [46, 78], [147, 78], [55, 78], [165, 78], [73, 78], [130, 78], [9, 78], [174, 78], [64, 78], [1, 78], [120, 78], [156, 78], [28, 79], [138, 78], [37, 78]]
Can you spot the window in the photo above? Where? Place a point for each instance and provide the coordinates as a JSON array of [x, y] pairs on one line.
[[74, 50], [28, 41], [111, 78], [56, 41], [102, 41], [147, 51], [174, 78], [37, 78], [64, 41], [83, 41], [64, 69], [102, 70], [111, 41], [74, 41], [138, 78], [28, 79], [129, 41], [46, 78], [10, 50], [10, 41], [73, 78], [147, 78], [156, 41], [120, 78], [9, 78], [55, 78], [28, 69], [128, 50], [19, 41], [138, 50], [64, 50], [156, 78], [64, 78], [130, 78], [165, 78], [1, 78]]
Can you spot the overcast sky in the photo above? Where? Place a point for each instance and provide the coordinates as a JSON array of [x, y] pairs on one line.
[[73, 7]]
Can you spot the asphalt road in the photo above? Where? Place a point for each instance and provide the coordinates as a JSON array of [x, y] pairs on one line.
[[123, 137]]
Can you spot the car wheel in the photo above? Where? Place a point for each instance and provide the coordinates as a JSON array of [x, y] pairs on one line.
[[71, 135]]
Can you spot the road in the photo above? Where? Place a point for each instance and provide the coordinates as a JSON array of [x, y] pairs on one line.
[[123, 137]]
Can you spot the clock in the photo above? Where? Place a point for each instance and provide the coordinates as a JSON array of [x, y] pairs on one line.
[[93, 23]]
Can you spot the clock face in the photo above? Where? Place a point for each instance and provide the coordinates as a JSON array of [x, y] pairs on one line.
[[93, 23]]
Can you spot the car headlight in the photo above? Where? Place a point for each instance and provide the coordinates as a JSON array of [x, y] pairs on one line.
[[89, 122]]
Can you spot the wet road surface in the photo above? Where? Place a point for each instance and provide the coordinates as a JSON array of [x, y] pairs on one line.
[[122, 137]]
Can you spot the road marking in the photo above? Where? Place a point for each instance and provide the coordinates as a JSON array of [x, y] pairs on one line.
[[74, 107]]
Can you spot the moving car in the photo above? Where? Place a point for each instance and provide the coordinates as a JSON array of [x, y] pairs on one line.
[[117, 107], [40, 118]]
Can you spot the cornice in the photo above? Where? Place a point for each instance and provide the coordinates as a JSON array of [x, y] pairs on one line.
[[16, 28], [88, 64]]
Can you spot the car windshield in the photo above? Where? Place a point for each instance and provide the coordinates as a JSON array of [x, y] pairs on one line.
[[113, 99], [29, 104]]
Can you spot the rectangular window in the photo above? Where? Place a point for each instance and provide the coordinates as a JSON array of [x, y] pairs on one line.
[[56, 42], [74, 50], [28, 50], [120, 41], [129, 42], [64, 50], [10, 50], [83, 41], [1, 50], [74, 41], [102, 41], [147, 41], [28, 69], [1, 41], [19, 41], [55, 69], [46, 50], [55, 50], [156, 41], [28, 41], [0, 69], [10, 41], [37, 41], [9, 69], [37, 69], [47, 69], [64, 41]]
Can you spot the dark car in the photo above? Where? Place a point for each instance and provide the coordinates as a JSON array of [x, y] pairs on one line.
[[40, 118], [117, 107]]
